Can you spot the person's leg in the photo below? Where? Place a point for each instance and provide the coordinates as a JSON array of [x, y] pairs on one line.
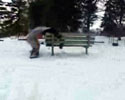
[[33, 41]]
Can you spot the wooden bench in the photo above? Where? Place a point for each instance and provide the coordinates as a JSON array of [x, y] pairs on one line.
[[76, 40]]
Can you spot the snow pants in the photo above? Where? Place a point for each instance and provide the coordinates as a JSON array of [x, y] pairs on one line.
[[33, 41]]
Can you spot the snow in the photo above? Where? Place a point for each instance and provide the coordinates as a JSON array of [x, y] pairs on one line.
[[7, 0], [69, 75]]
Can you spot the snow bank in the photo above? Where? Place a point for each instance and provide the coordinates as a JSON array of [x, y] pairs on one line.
[[69, 75]]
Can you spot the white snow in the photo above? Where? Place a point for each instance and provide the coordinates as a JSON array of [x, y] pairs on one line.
[[7, 0], [69, 75]]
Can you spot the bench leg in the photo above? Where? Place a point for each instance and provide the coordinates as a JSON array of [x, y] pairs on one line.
[[52, 50], [52, 45], [86, 50]]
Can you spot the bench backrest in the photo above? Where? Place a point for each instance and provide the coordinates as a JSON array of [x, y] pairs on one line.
[[51, 39], [75, 40]]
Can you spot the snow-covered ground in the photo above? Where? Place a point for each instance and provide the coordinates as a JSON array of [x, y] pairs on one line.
[[69, 75]]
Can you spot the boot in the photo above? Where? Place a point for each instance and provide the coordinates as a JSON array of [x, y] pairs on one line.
[[34, 53]]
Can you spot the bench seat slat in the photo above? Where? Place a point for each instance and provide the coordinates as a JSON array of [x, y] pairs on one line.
[[80, 42], [74, 37], [78, 45], [71, 42], [71, 45], [77, 41], [80, 38]]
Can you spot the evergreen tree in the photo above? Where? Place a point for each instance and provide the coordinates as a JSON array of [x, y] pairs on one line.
[[6, 20], [68, 14], [21, 26], [114, 15], [36, 13], [62, 14], [89, 9], [15, 21]]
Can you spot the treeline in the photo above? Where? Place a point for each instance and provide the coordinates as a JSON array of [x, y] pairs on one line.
[[65, 15], [113, 21], [68, 15]]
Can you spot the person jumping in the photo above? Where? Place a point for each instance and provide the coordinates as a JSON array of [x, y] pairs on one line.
[[33, 40]]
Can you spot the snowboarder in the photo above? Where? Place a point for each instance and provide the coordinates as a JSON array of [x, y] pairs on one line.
[[33, 40]]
